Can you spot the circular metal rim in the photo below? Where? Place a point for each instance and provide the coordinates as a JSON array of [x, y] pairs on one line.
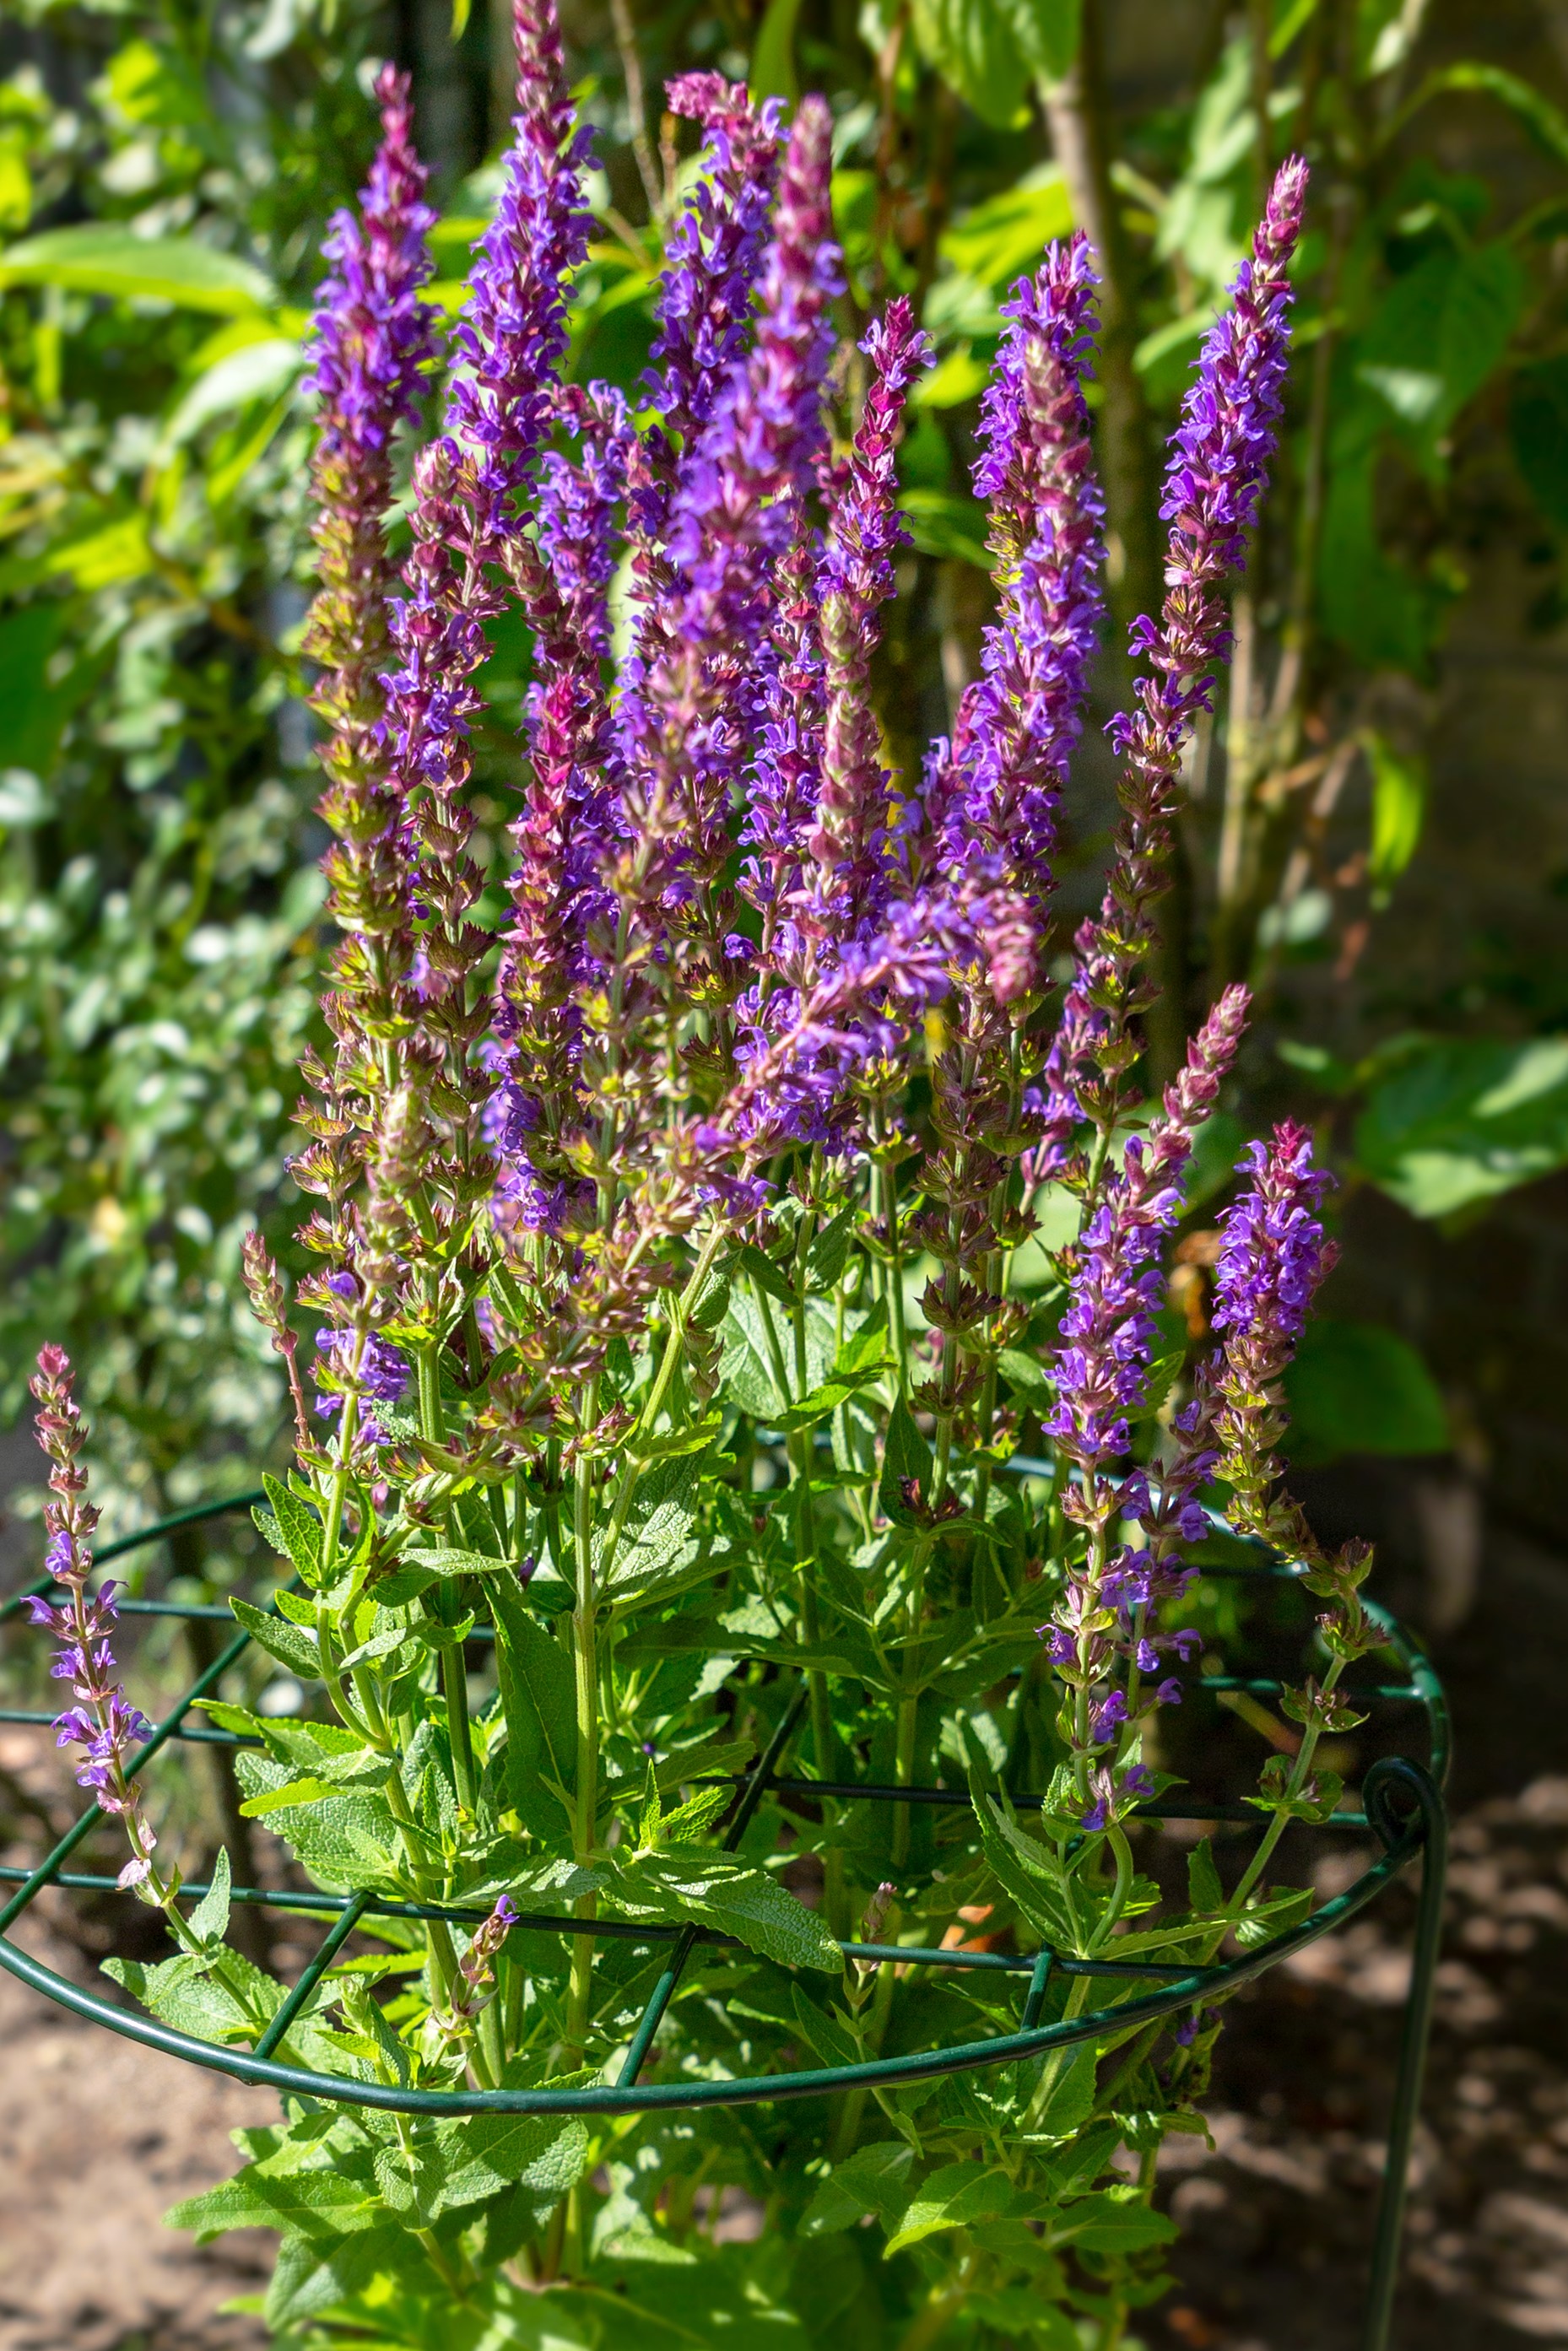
[[1402, 1845]]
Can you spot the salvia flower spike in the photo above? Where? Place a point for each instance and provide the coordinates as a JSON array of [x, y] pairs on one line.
[[669, 1169]]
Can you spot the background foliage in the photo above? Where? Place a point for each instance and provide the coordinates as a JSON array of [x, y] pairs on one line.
[[165, 172]]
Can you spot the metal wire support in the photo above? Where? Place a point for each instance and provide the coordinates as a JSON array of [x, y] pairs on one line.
[[1402, 1812]]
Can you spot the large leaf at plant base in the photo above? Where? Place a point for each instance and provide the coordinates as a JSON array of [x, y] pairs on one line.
[[972, 46], [100, 258], [1355, 1387], [1455, 1121]]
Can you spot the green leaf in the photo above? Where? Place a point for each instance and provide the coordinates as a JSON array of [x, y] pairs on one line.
[[1204, 1890], [1071, 2099], [326, 2201], [905, 1457], [490, 2152], [659, 1542], [760, 1268], [1399, 788], [1115, 2221], [746, 1369], [1025, 1375], [1538, 428], [447, 1562], [1047, 33], [209, 1921], [539, 1700], [1545, 121], [773, 71], [287, 1643], [258, 371], [1006, 235], [1452, 1121], [102, 257], [298, 1527], [874, 2179], [959, 2196], [682, 1884], [948, 527], [344, 1840], [971, 44], [830, 1251], [1355, 1387]]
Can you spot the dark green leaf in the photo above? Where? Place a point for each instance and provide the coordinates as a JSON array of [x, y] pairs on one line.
[[1537, 427], [1204, 1890], [905, 1457], [873, 2179], [1355, 1387], [539, 1697]]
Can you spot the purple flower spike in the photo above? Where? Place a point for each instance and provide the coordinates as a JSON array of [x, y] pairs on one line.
[[685, 698], [1213, 485], [1017, 724], [103, 1722], [714, 254], [1108, 1328], [848, 838], [1273, 1255]]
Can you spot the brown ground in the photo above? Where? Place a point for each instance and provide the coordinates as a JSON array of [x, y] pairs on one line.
[[98, 2138]]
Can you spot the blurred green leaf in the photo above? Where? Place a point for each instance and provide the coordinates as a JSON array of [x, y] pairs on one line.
[[1456, 1120], [971, 44], [1047, 33], [1355, 1387], [1399, 789], [1000, 240], [1538, 428], [773, 73], [102, 257], [943, 524]]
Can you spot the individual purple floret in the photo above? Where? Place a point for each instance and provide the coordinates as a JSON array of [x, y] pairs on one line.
[[1017, 724], [103, 1722]]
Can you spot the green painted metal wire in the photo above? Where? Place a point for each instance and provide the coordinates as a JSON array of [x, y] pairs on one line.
[[1420, 1829]]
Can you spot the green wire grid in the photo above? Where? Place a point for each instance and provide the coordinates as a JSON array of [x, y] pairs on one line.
[[1402, 1808]]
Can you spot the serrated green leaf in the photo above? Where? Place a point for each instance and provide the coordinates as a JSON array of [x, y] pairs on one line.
[[449, 1562], [874, 2179], [1070, 2101], [299, 1528], [959, 2196], [681, 1883], [539, 1700], [1115, 2221], [345, 1839], [287, 1643]]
